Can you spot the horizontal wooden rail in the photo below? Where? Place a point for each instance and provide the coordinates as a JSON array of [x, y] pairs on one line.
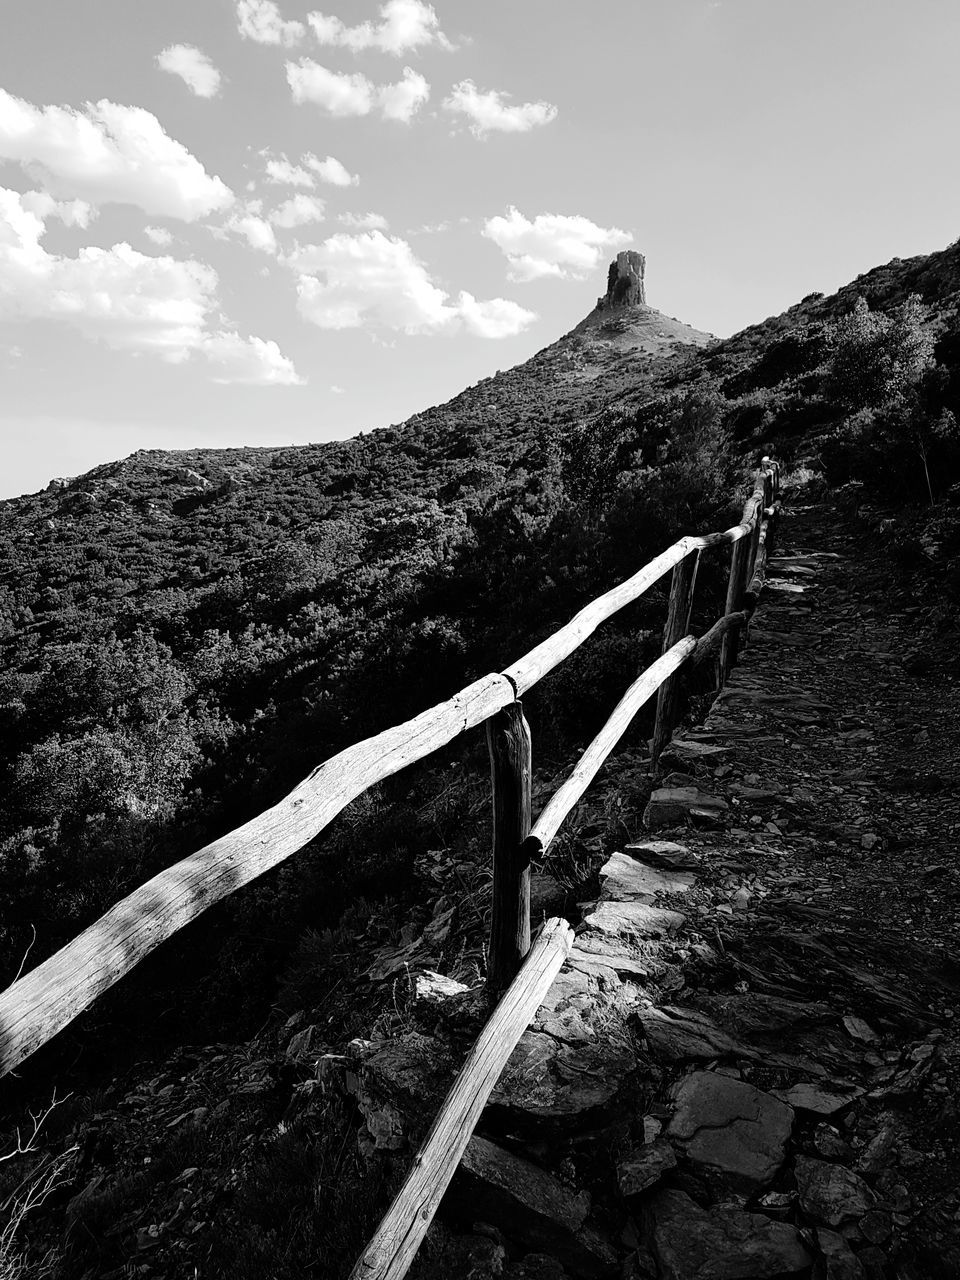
[[589, 764], [391, 1251], [44, 1000], [41, 1003]]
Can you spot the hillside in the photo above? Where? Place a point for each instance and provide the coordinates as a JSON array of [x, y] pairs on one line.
[[184, 635]]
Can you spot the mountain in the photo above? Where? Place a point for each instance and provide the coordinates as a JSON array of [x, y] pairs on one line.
[[185, 634]]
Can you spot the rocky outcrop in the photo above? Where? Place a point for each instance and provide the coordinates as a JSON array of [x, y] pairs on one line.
[[625, 282]]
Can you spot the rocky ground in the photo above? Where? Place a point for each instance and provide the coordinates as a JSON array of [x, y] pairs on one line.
[[748, 1068]]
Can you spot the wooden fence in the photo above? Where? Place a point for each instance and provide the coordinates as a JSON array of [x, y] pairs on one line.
[[39, 1004]]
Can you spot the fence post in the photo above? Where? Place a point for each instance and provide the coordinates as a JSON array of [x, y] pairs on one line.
[[736, 587], [508, 740], [677, 625]]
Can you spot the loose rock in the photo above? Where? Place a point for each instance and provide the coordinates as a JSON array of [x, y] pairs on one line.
[[831, 1194], [728, 1126], [690, 1243]]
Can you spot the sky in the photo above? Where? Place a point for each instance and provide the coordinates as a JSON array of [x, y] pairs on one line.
[[240, 222]]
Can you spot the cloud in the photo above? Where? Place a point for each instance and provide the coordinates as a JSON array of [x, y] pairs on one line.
[[337, 391], [108, 154], [72, 213], [298, 211], [401, 101], [193, 67], [489, 111], [364, 221], [332, 171], [404, 24], [280, 170], [346, 94], [261, 21], [159, 235], [341, 94], [130, 301], [305, 173], [249, 224], [552, 244], [349, 282], [254, 361]]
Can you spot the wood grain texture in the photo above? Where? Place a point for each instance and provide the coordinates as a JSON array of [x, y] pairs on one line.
[[589, 764], [508, 742], [42, 1002], [391, 1251], [678, 623]]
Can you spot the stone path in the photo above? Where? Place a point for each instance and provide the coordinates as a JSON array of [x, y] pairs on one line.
[[747, 1068]]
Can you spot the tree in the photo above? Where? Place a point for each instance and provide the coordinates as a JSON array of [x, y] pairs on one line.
[[876, 359]]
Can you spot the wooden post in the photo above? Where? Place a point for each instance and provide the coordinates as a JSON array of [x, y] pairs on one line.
[[678, 624], [508, 739], [736, 587]]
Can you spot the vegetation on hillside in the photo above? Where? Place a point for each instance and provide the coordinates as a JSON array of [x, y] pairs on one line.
[[185, 635]]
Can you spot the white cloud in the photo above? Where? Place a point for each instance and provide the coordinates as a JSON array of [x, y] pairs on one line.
[[346, 94], [352, 281], [261, 20], [130, 301], [159, 235], [332, 171], [298, 211], [108, 154], [253, 228], [489, 111], [340, 94], [337, 391], [404, 24], [72, 213], [551, 244], [193, 67], [253, 360], [401, 101], [305, 173], [280, 170], [364, 221]]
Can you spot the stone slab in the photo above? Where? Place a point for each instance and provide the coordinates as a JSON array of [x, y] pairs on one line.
[[632, 920], [625, 880], [728, 1126]]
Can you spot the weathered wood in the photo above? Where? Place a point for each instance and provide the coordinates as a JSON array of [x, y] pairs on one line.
[[391, 1251], [702, 671], [677, 625], [760, 564], [589, 764], [710, 642], [508, 741], [533, 666], [35, 1007], [736, 586], [44, 1000]]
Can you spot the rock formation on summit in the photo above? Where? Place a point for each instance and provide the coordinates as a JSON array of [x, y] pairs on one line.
[[622, 318], [625, 282]]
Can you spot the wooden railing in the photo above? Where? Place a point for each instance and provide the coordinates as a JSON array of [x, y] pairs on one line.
[[390, 1253], [39, 1004]]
